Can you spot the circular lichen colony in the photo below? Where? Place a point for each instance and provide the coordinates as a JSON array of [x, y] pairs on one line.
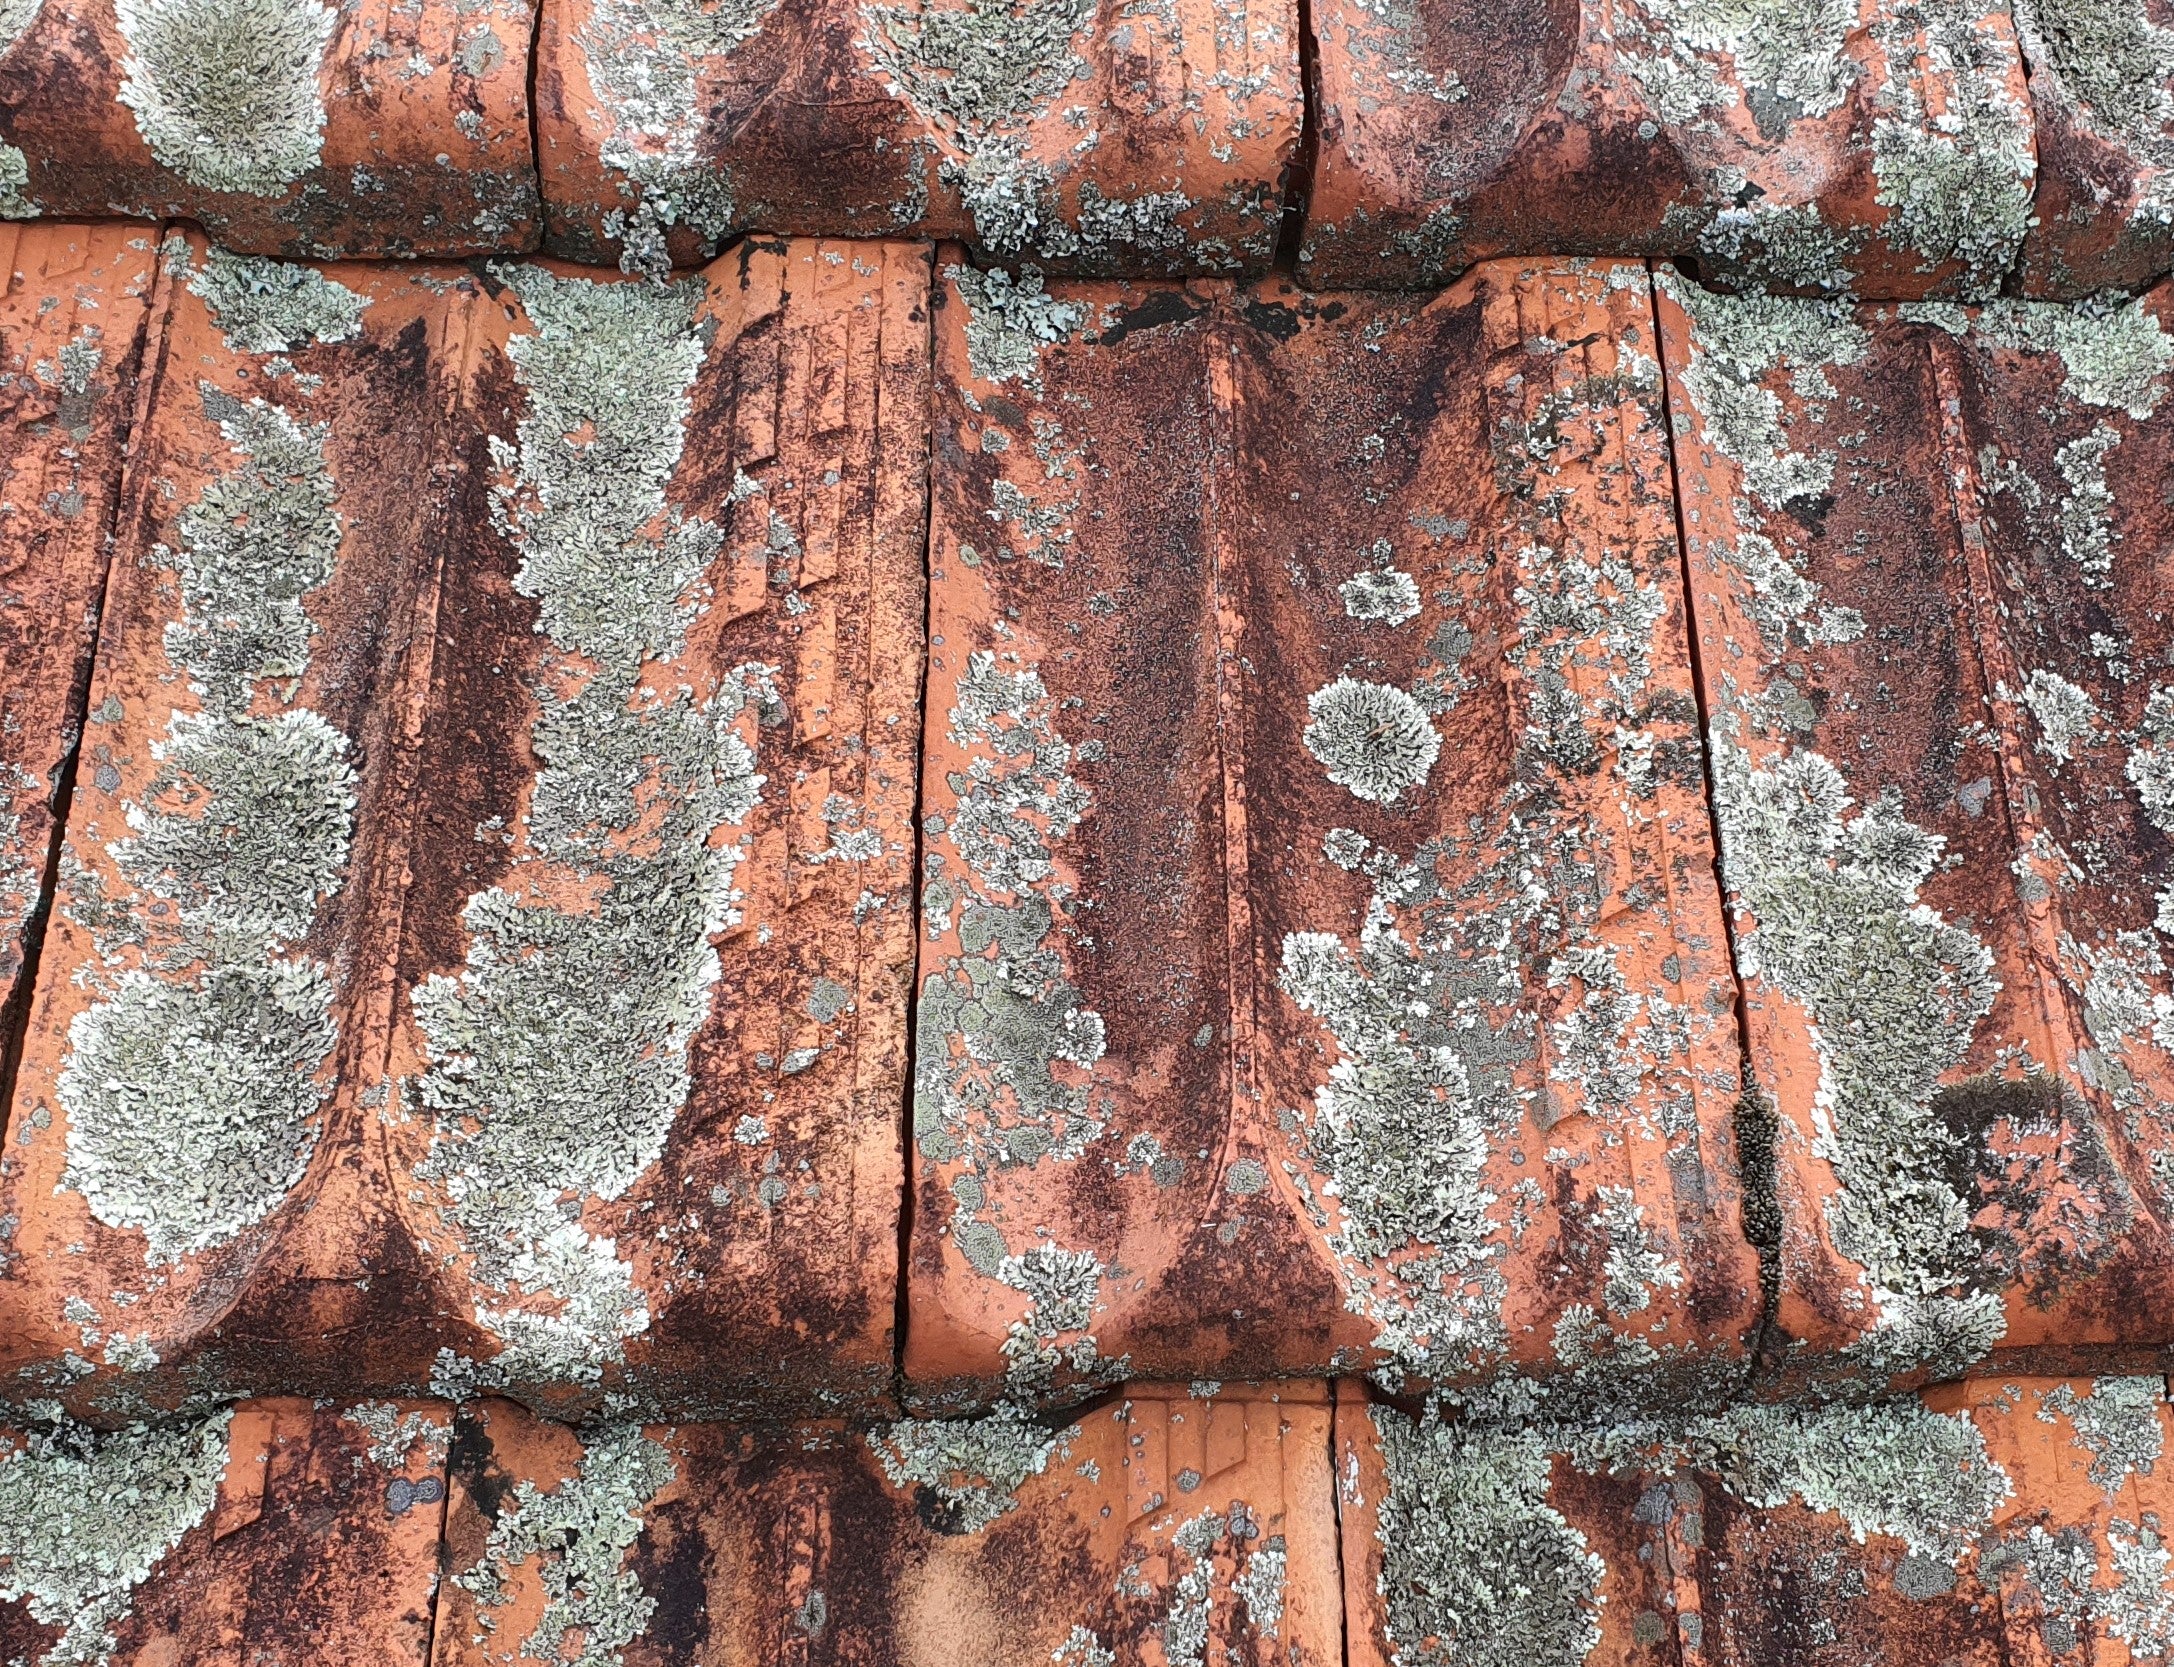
[[1372, 738], [225, 91]]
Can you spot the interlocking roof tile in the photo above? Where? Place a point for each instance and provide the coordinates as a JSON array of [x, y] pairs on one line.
[[1059, 131], [482, 937], [1883, 146], [1323, 964], [289, 127], [1929, 578], [72, 322]]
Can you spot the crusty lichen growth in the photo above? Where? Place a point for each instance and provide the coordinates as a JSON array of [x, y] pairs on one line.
[[225, 92], [193, 1088], [973, 1467], [16, 17], [577, 1535], [2115, 66], [1010, 320], [1788, 60], [15, 199], [2117, 1422], [270, 306], [559, 1054], [1955, 179], [646, 61], [1478, 1568], [2115, 352], [85, 1518], [1372, 738]]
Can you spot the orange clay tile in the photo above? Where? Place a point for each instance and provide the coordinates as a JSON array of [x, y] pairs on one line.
[[483, 931], [293, 127], [275, 1532], [2102, 100], [1929, 559], [72, 322], [1160, 1530], [2006, 1521], [658, 935], [1322, 962], [1883, 146], [1088, 135]]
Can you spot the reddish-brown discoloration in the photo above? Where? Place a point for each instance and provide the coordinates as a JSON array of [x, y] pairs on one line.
[[2105, 202], [1941, 485], [1449, 134], [791, 1544], [2039, 1540], [72, 324], [763, 1239], [1118, 1082], [763, 1259], [1142, 142], [424, 143], [322, 1545]]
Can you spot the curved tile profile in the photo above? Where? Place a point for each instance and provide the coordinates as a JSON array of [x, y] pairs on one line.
[[481, 946], [1322, 965], [1088, 135], [1177, 1527], [1928, 564], [284, 127], [1882, 147], [2006, 1520]]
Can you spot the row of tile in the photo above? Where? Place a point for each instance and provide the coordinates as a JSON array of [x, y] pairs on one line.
[[2015, 1521], [506, 843], [1897, 148]]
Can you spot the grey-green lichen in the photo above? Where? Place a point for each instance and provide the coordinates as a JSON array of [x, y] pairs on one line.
[[16, 17], [1956, 181], [1479, 1569], [559, 1054], [193, 1086], [270, 306], [2088, 533], [1788, 60], [2117, 1422], [15, 199], [973, 1467], [2114, 65], [646, 62], [2114, 351], [1895, 995], [1372, 738], [577, 1536], [1010, 320], [85, 1518], [225, 92]]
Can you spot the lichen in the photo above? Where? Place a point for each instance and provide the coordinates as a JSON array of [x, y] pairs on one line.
[[1010, 320], [394, 1435], [85, 1518], [559, 1054], [16, 17], [225, 92], [15, 199], [2115, 352], [578, 1534], [1372, 738], [2117, 1422], [271, 306], [2116, 66], [1956, 181], [983, 65], [973, 1467], [1478, 1568], [1383, 595], [193, 1086], [646, 62], [1831, 916], [1788, 60], [2088, 533]]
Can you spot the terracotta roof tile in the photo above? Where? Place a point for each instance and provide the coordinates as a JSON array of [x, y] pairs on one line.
[[1157, 143], [291, 127]]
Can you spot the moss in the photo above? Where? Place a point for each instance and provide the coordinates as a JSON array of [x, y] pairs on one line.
[[577, 1536], [1009, 321], [85, 1518], [559, 1054], [225, 91], [270, 306], [972, 1468], [1478, 1568], [1956, 184], [1372, 738]]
